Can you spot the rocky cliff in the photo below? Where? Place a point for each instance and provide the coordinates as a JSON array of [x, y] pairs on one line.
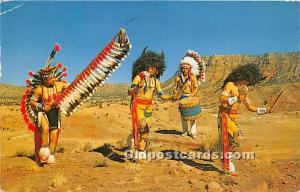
[[282, 69]]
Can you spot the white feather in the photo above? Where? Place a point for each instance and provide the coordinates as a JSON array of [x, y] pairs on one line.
[[193, 63]]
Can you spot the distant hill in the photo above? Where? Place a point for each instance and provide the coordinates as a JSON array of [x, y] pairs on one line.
[[282, 69], [279, 67], [10, 94]]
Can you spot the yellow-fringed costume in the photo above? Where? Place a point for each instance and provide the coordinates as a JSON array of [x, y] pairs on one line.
[[234, 94], [143, 100], [145, 84], [234, 133]]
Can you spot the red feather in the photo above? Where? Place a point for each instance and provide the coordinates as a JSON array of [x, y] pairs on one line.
[[65, 74], [30, 73], [57, 47], [97, 60], [108, 49], [76, 81], [31, 127], [23, 110], [26, 118], [111, 45], [87, 73], [59, 65], [64, 69], [100, 57], [23, 104], [93, 67], [27, 91], [58, 98], [67, 91], [27, 81]]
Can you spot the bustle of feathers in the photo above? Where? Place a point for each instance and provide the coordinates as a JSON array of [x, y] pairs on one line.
[[39, 78]]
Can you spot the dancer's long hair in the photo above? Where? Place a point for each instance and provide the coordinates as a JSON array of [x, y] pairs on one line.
[[147, 59], [249, 72]]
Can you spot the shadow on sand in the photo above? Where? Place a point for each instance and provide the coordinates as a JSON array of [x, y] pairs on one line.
[[29, 156], [107, 151], [173, 155], [169, 132]]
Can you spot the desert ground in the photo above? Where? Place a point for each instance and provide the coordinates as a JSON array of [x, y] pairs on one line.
[[90, 153]]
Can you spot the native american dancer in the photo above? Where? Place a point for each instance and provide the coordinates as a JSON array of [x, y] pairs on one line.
[[186, 86], [234, 94], [145, 83], [47, 94]]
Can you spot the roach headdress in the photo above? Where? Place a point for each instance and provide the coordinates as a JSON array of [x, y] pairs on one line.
[[40, 77]]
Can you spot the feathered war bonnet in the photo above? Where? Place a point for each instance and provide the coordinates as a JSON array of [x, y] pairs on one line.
[[147, 59], [57, 71], [196, 64]]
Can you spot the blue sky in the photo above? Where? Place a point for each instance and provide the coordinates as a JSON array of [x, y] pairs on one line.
[[29, 32]]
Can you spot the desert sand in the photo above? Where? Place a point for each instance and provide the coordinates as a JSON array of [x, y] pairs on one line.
[[90, 153]]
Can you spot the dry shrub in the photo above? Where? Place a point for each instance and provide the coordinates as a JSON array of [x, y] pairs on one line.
[[123, 144], [211, 141], [87, 147], [23, 154], [59, 180], [101, 163], [60, 150], [100, 104]]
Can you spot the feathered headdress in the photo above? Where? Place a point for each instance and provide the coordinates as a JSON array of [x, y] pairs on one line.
[[41, 76], [194, 60], [147, 59]]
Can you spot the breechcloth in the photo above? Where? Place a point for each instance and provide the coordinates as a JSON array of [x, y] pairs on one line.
[[53, 117], [141, 110]]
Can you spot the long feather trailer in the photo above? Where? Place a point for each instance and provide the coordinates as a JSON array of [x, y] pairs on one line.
[[94, 75]]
